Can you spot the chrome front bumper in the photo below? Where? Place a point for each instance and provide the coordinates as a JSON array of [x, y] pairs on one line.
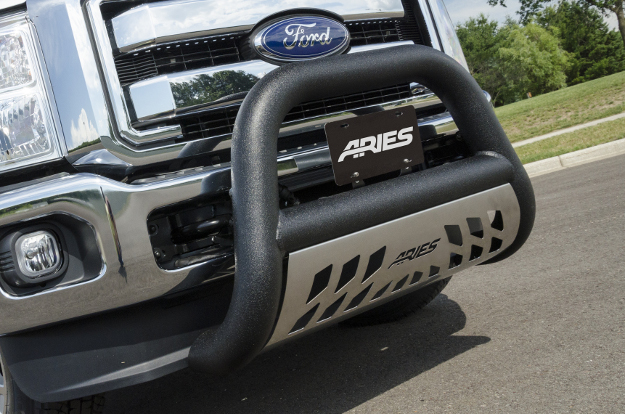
[[117, 212]]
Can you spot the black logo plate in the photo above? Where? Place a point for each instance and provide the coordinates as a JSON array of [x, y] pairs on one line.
[[374, 144]]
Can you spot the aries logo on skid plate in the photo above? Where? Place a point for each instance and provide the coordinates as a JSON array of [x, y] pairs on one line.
[[301, 38]]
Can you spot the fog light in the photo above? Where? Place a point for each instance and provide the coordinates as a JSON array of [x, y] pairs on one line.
[[38, 254]]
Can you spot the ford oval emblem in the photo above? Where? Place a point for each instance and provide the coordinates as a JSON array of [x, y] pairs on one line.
[[301, 38]]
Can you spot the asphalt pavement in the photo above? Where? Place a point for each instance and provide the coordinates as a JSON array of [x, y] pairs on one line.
[[541, 332]]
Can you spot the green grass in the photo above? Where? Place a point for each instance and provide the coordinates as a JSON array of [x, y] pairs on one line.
[[573, 141], [567, 107]]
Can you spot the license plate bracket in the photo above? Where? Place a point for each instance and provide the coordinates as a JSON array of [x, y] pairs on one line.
[[374, 144]]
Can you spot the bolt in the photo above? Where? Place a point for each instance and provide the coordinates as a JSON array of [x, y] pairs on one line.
[[158, 254], [152, 229], [355, 175], [407, 161]]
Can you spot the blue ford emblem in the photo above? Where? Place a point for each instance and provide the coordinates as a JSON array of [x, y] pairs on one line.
[[300, 38]]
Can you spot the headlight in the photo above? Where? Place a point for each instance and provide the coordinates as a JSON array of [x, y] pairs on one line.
[[447, 32], [27, 134]]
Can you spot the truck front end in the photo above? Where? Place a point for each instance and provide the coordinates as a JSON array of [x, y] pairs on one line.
[[189, 183]]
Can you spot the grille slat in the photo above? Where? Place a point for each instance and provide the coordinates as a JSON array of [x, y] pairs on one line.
[[223, 50], [136, 67], [368, 33], [159, 60], [221, 122]]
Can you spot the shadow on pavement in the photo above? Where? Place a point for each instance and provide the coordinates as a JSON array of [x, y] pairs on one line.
[[331, 371]]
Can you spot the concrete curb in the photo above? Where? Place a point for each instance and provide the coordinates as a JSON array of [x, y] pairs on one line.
[[567, 130], [572, 159]]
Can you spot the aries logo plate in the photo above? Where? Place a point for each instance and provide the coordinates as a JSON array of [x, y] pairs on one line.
[[336, 279], [374, 144], [301, 38]]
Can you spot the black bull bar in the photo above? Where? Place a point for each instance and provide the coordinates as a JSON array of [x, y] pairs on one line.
[[264, 234]]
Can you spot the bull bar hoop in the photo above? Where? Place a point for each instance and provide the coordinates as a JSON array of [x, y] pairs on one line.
[[264, 234]]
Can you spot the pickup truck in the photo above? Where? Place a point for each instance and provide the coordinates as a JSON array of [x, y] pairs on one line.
[[188, 183]]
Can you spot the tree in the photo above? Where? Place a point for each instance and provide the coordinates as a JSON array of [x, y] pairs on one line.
[[594, 49], [480, 40], [530, 8], [512, 60], [532, 59]]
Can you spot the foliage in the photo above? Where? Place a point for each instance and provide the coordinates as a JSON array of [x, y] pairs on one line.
[[595, 50], [529, 9], [513, 60], [480, 40], [533, 59]]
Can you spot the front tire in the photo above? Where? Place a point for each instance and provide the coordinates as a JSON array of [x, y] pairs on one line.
[[399, 308], [14, 401], [6, 390]]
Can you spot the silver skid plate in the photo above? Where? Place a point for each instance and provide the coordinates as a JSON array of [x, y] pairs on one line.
[[339, 278]]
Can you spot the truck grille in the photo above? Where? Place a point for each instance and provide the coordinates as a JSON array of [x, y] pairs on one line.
[[209, 120], [225, 49], [221, 122]]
